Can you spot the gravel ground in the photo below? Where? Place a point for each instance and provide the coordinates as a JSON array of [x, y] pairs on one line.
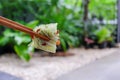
[[49, 68]]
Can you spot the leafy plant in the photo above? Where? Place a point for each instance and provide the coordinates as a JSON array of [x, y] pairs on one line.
[[67, 13], [23, 52], [103, 34], [19, 41], [103, 8], [68, 40]]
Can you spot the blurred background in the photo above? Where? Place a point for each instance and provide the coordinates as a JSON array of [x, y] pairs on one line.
[[82, 23]]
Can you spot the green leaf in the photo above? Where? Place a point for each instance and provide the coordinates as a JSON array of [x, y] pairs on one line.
[[103, 34], [32, 24], [4, 41], [0, 6], [63, 44], [9, 33], [22, 39], [23, 52]]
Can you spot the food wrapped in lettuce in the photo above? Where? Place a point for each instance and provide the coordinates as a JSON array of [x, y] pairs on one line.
[[50, 31]]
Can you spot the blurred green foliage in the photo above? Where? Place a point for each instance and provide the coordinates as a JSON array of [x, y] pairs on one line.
[[103, 34], [104, 8], [67, 13]]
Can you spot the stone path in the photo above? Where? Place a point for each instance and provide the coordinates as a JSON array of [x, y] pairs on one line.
[[6, 76], [49, 68], [107, 68]]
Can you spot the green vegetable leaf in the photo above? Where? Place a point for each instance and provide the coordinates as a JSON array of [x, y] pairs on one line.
[[4, 41], [22, 39], [9, 33], [23, 52], [32, 24]]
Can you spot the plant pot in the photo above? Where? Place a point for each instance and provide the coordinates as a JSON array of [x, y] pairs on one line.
[[111, 44], [102, 45], [59, 48], [87, 46]]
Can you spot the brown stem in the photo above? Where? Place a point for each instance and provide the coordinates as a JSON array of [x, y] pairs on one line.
[[85, 6]]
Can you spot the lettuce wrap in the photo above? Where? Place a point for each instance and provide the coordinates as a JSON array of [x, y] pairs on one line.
[[50, 31]]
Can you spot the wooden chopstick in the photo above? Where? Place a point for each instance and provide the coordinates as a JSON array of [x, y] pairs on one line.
[[13, 22], [17, 26]]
